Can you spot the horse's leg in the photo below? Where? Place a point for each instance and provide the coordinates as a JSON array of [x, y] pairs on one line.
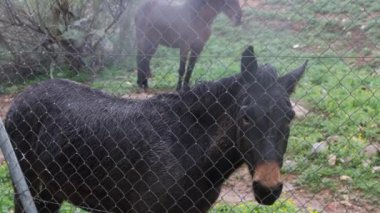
[[145, 53], [184, 53], [190, 67], [142, 71]]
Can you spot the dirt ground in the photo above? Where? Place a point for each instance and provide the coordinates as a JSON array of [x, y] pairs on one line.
[[5, 101], [238, 189]]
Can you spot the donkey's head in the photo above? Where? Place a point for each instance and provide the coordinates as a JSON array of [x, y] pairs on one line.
[[232, 9], [264, 120]]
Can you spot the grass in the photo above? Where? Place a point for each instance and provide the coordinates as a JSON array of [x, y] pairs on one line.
[[6, 190], [342, 94], [281, 206]]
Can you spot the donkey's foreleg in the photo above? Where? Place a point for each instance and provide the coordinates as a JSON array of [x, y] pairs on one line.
[[43, 202]]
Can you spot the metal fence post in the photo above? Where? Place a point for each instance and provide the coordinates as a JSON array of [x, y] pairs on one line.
[[15, 171]]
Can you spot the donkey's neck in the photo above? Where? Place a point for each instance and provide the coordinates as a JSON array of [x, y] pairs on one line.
[[213, 107], [214, 165], [208, 133], [214, 98]]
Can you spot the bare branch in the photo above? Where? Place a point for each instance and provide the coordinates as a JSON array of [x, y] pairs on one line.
[[7, 46], [114, 21]]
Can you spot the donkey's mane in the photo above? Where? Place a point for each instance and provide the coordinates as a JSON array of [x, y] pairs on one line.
[[207, 92], [266, 76]]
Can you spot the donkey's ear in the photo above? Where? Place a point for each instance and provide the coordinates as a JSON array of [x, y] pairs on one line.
[[248, 61], [290, 80]]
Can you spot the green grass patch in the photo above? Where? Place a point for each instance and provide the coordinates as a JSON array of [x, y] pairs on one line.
[[281, 206], [345, 104], [6, 190]]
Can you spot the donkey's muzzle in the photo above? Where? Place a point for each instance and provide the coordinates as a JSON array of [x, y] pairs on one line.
[[267, 184], [265, 195]]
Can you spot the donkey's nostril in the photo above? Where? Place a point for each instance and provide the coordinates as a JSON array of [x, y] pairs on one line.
[[266, 195]]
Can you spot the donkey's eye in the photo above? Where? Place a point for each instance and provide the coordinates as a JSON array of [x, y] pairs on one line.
[[246, 121]]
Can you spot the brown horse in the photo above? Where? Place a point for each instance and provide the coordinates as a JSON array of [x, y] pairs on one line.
[[186, 26]]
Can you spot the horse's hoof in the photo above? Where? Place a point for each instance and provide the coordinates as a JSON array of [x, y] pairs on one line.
[[185, 88], [143, 89], [143, 85]]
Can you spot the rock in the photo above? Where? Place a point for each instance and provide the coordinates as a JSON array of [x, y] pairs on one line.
[[332, 160], [333, 138], [319, 147], [345, 197], [377, 72], [345, 160], [300, 111], [139, 96], [376, 169], [346, 203], [332, 207], [366, 163], [372, 150], [289, 165], [345, 178], [288, 187], [2, 159]]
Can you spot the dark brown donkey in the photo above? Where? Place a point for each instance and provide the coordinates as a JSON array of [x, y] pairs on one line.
[[186, 26]]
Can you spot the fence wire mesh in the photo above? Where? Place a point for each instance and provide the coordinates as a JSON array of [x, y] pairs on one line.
[[192, 124]]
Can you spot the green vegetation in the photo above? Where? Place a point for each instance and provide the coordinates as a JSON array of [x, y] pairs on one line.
[[281, 206], [341, 91], [6, 190]]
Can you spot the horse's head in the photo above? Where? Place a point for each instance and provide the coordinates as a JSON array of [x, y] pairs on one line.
[[264, 120], [232, 9]]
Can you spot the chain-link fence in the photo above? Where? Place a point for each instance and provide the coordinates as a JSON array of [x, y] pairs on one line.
[[175, 112]]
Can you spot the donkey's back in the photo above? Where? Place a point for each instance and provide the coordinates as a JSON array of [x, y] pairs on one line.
[[44, 101], [79, 112]]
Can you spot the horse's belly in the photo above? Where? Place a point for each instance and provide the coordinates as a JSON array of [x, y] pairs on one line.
[[170, 44], [171, 38]]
